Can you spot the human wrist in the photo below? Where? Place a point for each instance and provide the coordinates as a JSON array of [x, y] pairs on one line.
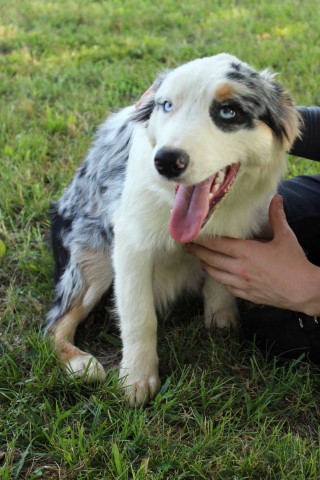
[[310, 304]]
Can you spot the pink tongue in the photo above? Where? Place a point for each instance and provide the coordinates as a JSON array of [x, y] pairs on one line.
[[189, 211]]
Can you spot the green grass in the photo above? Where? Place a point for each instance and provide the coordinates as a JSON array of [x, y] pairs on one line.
[[224, 412]]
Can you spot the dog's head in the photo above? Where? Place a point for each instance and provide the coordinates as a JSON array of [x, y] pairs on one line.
[[206, 121]]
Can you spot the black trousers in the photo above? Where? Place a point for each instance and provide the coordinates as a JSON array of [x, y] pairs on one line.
[[283, 332], [301, 197]]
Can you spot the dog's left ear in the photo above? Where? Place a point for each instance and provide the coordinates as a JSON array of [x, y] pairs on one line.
[[145, 97], [282, 114], [146, 104]]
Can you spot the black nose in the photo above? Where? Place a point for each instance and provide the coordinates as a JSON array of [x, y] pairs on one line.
[[171, 162]]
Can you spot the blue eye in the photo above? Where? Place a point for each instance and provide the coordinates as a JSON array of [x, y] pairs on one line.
[[167, 106], [227, 113]]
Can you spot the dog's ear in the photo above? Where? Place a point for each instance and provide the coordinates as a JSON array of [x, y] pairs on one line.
[[282, 115], [146, 104], [145, 97]]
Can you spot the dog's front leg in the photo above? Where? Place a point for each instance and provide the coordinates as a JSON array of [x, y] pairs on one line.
[[138, 323], [220, 306]]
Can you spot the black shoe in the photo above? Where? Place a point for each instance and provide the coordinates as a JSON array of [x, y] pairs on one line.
[[281, 332]]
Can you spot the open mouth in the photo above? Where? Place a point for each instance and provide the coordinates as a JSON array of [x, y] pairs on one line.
[[194, 204]]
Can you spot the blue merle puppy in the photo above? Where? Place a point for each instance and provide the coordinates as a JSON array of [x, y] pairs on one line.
[[200, 155]]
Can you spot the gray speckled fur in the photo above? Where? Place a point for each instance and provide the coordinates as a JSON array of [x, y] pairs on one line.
[[87, 206]]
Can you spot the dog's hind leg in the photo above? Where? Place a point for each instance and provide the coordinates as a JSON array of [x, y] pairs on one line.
[[87, 277]]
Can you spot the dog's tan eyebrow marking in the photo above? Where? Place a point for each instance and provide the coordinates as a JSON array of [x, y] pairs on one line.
[[224, 92], [261, 124]]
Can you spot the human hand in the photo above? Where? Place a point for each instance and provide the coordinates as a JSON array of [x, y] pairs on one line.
[[272, 273]]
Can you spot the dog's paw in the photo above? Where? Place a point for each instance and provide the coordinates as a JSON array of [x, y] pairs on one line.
[[86, 367], [139, 388], [224, 318]]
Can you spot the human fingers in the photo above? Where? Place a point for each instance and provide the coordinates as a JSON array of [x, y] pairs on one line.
[[237, 286], [214, 259], [226, 278], [277, 217], [231, 247]]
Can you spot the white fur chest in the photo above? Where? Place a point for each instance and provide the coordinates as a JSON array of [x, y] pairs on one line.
[[175, 272]]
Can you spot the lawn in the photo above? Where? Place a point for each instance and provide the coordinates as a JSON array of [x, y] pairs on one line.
[[224, 411]]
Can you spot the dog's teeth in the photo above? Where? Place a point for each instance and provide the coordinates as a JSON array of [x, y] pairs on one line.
[[220, 176], [216, 187]]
